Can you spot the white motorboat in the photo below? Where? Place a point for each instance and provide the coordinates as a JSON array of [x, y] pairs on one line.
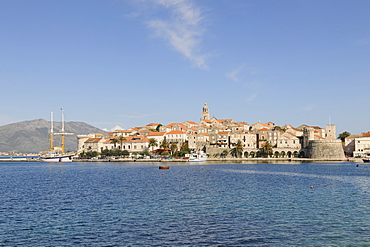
[[199, 156]]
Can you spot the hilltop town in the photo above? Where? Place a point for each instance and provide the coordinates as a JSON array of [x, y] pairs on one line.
[[219, 138]]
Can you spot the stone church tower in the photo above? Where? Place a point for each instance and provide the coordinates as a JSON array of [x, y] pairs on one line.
[[205, 113]]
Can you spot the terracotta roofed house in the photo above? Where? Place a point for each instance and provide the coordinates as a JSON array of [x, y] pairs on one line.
[[176, 136]]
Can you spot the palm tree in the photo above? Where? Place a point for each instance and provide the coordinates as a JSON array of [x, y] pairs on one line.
[[164, 144], [266, 149], [237, 150], [153, 142], [121, 140], [114, 141], [158, 127], [173, 147], [185, 148], [224, 153]]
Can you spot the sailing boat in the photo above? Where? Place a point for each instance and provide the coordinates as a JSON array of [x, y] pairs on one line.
[[55, 153]]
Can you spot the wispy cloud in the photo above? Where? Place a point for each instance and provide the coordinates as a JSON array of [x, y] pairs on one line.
[[236, 74], [182, 29], [246, 77], [251, 97]]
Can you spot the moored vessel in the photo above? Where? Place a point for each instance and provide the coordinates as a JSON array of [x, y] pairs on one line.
[[56, 153], [366, 159], [199, 156]]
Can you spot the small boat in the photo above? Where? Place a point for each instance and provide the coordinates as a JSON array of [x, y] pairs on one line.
[[164, 167], [199, 156], [366, 159]]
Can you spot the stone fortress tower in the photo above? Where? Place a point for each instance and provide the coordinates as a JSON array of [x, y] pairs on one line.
[[331, 132], [205, 113], [325, 149]]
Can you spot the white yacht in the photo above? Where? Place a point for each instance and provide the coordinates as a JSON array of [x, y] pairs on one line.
[[199, 156]]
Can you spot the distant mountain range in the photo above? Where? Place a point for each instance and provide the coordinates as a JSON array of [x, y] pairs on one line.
[[33, 136]]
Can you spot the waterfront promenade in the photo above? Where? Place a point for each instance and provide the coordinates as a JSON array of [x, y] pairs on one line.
[[222, 160]]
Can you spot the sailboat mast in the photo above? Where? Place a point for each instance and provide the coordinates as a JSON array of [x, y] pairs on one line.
[[62, 131], [51, 132]]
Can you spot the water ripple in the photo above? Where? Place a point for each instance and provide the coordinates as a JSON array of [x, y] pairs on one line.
[[133, 204]]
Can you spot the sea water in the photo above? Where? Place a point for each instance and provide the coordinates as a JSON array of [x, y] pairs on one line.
[[209, 204]]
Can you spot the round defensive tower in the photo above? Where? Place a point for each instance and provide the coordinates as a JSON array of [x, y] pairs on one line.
[[325, 150]]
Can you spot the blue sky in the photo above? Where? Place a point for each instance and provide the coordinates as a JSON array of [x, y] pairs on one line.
[[130, 63]]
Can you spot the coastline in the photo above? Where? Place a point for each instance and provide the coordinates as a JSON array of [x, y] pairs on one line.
[[222, 160], [225, 160]]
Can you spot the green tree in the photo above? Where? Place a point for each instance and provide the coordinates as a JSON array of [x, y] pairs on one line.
[[82, 154], [266, 149], [125, 153], [114, 141], [121, 140], [152, 143], [173, 147], [164, 144], [224, 153], [185, 148], [105, 152], [280, 128], [343, 136], [158, 127], [89, 154], [237, 151]]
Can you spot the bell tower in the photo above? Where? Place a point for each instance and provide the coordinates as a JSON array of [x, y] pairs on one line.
[[205, 112]]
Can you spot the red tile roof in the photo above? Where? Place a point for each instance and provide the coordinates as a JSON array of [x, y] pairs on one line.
[[156, 133], [191, 122], [152, 124], [223, 132], [93, 140], [176, 132], [136, 139]]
